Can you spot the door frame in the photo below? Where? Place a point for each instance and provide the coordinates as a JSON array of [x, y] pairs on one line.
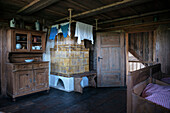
[[126, 56], [122, 34]]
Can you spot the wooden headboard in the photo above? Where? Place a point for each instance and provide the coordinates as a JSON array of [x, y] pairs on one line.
[[142, 74], [137, 77], [155, 71]]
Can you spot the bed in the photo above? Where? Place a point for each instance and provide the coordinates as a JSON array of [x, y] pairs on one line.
[[136, 83]]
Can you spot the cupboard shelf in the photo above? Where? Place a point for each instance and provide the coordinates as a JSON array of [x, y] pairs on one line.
[[21, 41], [32, 38], [36, 42]]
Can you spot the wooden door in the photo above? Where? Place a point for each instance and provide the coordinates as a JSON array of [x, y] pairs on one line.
[[110, 59], [24, 81], [41, 78]]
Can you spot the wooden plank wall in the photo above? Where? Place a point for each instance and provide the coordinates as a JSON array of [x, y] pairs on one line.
[[3, 57], [0, 57], [141, 45], [89, 45], [162, 35], [95, 51]]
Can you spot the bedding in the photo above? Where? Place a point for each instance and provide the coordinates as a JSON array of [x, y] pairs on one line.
[[166, 80], [157, 94]]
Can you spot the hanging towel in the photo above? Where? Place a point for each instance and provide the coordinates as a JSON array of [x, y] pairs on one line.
[[83, 31], [64, 29], [53, 33], [62, 24]]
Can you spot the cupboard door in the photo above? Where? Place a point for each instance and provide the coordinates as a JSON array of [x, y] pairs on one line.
[[21, 41], [37, 42], [41, 78], [24, 81]]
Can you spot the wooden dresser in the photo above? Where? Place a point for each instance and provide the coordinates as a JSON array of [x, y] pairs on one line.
[[22, 77], [26, 78]]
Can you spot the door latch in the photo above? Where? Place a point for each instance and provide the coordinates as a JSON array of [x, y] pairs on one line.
[[99, 59]]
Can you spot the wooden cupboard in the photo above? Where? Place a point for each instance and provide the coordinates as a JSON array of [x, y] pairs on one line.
[[27, 78], [22, 77], [25, 40]]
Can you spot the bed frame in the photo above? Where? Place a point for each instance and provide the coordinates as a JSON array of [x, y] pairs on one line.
[[156, 73], [136, 82]]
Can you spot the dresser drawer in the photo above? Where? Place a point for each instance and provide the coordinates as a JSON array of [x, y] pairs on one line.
[[40, 65], [22, 67]]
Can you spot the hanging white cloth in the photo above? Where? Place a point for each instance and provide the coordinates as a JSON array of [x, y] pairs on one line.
[[55, 26], [83, 31]]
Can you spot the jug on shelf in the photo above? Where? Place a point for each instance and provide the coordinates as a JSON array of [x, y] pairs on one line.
[[12, 23], [37, 25]]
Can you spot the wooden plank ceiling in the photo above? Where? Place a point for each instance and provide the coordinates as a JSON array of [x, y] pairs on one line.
[[56, 11]]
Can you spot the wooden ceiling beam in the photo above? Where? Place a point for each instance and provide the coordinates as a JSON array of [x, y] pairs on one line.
[[134, 26], [35, 6], [133, 10], [84, 7], [57, 13], [27, 6], [113, 6], [78, 4], [135, 16]]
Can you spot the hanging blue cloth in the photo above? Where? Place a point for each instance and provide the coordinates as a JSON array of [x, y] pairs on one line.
[[64, 29], [53, 33]]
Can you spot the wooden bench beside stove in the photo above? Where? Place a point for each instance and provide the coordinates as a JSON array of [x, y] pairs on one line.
[[78, 78]]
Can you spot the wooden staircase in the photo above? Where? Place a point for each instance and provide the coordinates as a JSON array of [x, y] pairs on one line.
[[141, 52]]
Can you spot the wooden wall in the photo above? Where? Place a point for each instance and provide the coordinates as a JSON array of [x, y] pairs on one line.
[[162, 35], [3, 57], [89, 45], [152, 46], [0, 57], [141, 45]]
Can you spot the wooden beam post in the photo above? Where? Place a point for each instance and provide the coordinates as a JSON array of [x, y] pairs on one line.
[[127, 57], [96, 24], [3, 60], [154, 46]]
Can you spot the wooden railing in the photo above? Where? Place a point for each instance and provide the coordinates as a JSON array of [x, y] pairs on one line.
[[136, 65]]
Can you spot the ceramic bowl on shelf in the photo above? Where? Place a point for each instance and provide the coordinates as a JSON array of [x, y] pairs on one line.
[[38, 47], [33, 48], [29, 60], [18, 46]]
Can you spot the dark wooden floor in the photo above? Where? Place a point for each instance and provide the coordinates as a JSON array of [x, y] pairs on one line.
[[99, 100]]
